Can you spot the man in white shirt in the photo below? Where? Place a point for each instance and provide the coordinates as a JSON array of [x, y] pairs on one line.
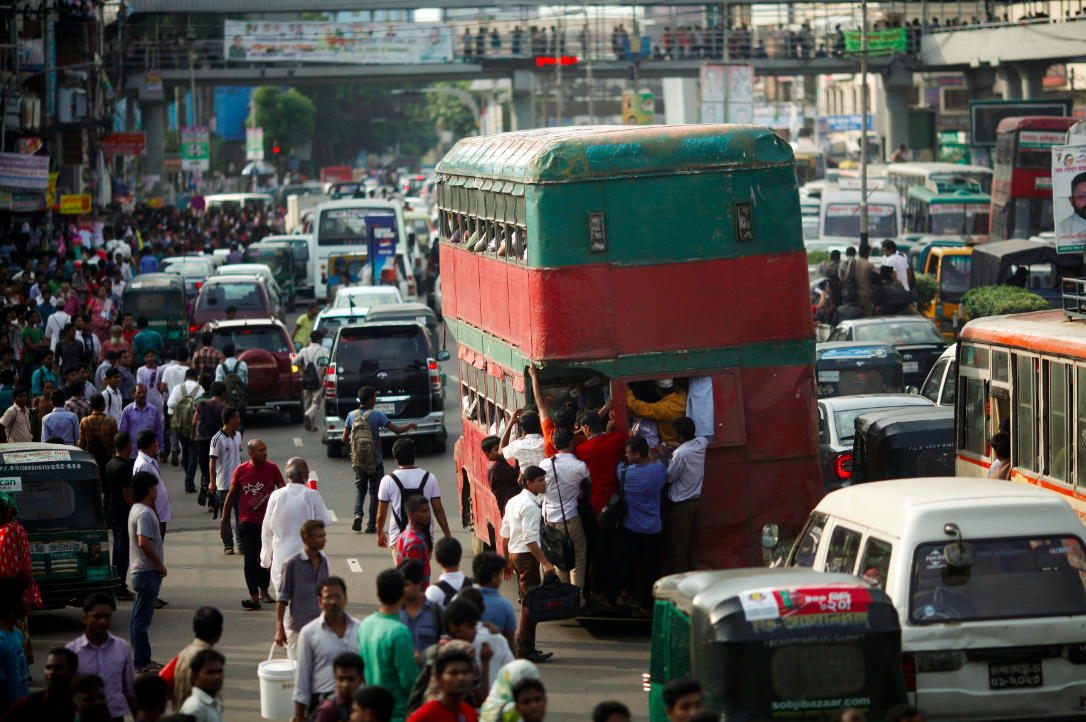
[[897, 261], [319, 643], [408, 478], [54, 328], [169, 376], [520, 545], [315, 353], [447, 554], [289, 508], [565, 473], [147, 460], [528, 450], [112, 394], [191, 387], [685, 475]]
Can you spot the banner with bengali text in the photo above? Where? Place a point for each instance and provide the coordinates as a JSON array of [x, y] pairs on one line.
[[331, 42]]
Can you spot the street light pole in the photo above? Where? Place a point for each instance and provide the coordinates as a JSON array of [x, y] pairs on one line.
[[863, 126]]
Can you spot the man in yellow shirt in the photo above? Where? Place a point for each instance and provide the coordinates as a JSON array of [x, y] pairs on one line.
[[672, 405], [304, 327]]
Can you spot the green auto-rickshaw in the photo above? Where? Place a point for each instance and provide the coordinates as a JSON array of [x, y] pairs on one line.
[[280, 261], [59, 496], [160, 297]]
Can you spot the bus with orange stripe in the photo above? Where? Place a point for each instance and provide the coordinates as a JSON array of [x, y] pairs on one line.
[[607, 257]]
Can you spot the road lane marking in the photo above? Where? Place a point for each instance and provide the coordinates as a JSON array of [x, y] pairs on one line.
[[354, 565], [333, 515], [297, 441]]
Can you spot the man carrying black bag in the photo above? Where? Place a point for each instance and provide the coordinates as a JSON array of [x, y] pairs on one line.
[[520, 545]]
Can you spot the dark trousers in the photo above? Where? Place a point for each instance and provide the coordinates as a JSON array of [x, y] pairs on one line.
[[684, 535], [362, 482], [204, 457], [633, 549], [190, 451], [600, 552], [527, 567], [119, 527], [256, 576]]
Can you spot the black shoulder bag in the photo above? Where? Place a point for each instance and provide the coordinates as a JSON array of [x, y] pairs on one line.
[[555, 545]]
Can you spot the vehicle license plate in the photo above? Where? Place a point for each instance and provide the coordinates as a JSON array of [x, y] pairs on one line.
[[829, 377], [64, 547], [911, 367], [385, 408], [1014, 675]]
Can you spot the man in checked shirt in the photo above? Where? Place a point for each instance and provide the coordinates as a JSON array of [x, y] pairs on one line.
[[207, 358]]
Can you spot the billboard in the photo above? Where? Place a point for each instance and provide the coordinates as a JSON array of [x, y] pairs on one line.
[[331, 42], [195, 148], [638, 108], [985, 115], [1069, 197], [879, 42], [254, 144], [727, 93]]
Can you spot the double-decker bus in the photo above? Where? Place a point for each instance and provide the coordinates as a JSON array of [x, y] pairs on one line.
[[609, 257], [1026, 374], [1022, 188]]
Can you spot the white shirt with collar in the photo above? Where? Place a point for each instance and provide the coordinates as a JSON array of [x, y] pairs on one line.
[[203, 706], [180, 390], [114, 403], [311, 354], [520, 525], [162, 501], [570, 471], [686, 472], [318, 646], [528, 451], [901, 267], [173, 376]]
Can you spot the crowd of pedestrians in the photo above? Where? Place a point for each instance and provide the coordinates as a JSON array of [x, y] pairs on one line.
[[855, 287]]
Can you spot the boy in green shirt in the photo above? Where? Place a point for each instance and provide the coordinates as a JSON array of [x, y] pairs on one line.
[[385, 644]]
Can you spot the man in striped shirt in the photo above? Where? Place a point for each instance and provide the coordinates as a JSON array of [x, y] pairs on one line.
[[225, 456]]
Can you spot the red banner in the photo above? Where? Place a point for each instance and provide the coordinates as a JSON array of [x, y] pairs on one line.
[[782, 603], [133, 143]]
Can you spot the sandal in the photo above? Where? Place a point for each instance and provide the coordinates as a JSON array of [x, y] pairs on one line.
[[160, 603], [267, 598], [151, 667], [125, 597], [250, 604]]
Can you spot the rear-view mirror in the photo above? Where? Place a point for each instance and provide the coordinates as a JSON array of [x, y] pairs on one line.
[[770, 536], [442, 355], [912, 390]]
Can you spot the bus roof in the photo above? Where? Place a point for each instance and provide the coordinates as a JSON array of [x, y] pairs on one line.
[[563, 155], [154, 282], [1042, 331], [927, 195], [934, 167], [1035, 122]]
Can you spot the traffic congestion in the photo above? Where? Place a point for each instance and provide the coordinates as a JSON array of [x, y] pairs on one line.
[[813, 467]]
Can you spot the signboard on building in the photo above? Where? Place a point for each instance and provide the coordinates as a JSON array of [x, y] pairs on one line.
[[727, 93], [1069, 197], [195, 148], [254, 144], [24, 171], [842, 123], [153, 81], [75, 205], [638, 107], [27, 202], [332, 42], [127, 143], [984, 115], [879, 42]]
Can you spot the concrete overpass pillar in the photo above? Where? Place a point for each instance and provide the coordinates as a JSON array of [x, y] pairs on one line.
[[523, 100], [1032, 75], [981, 82], [153, 114], [1012, 86], [681, 101], [897, 83]]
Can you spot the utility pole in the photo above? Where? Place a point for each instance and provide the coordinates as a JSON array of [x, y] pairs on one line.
[[587, 47], [863, 126]]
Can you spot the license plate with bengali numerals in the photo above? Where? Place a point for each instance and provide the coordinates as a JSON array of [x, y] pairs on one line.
[[1014, 675], [64, 547], [385, 408], [911, 367]]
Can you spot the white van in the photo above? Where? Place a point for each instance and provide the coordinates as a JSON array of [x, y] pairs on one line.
[[997, 633], [839, 219]]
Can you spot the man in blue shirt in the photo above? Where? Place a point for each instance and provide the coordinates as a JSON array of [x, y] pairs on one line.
[[641, 535], [488, 569], [421, 616], [148, 263], [60, 422], [367, 399]]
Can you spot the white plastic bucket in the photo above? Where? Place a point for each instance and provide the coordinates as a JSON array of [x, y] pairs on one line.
[[277, 686]]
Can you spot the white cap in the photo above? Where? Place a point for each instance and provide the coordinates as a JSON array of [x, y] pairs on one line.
[[665, 383]]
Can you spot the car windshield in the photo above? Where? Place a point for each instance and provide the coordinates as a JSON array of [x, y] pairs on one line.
[[843, 219], [188, 267], [1013, 578], [951, 219], [846, 420], [328, 326], [369, 299], [245, 295], [896, 334], [954, 277], [390, 349], [420, 227], [145, 303], [272, 259], [56, 495], [272, 339]]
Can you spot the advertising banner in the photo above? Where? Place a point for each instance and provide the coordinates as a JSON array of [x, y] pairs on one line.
[[324, 42], [27, 201], [382, 244], [254, 144], [24, 171], [638, 108], [195, 148], [153, 81], [1069, 197], [75, 205], [126, 143], [51, 191], [841, 123], [727, 93], [880, 42]]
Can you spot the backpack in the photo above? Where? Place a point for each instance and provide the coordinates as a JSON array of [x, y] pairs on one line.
[[450, 592], [363, 445], [405, 494], [183, 411], [237, 394], [311, 378]]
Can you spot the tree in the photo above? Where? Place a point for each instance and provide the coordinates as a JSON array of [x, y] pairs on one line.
[[288, 118], [449, 112]]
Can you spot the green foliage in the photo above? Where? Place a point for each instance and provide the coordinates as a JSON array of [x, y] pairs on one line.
[[1000, 300], [926, 288], [816, 257], [450, 112], [288, 118]]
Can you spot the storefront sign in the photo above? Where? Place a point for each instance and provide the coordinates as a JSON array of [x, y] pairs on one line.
[[23, 202], [75, 205], [24, 171], [128, 143]]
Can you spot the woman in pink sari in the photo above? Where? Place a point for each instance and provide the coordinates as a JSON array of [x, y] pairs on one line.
[[15, 560], [102, 313]]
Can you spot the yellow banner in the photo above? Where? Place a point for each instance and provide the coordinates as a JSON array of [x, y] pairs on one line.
[[75, 205], [51, 191]]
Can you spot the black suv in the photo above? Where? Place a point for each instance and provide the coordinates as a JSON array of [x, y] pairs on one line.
[[396, 359]]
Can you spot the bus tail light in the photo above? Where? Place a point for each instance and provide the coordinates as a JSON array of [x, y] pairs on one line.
[[330, 383], [908, 668], [844, 466], [435, 375]]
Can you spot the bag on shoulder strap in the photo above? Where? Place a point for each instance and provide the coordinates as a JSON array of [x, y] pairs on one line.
[[405, 494], [557, 546], [237, 394]]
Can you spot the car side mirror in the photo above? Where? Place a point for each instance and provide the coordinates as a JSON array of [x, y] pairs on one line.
[[411, 240], [443, 356], [770, 536], [912, 390]]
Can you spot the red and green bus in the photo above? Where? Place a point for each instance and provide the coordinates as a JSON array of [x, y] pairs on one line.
[[611, 256], [1022, 183]]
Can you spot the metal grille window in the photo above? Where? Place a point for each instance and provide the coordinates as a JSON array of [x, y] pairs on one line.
[[817, 671], [491, 210]]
